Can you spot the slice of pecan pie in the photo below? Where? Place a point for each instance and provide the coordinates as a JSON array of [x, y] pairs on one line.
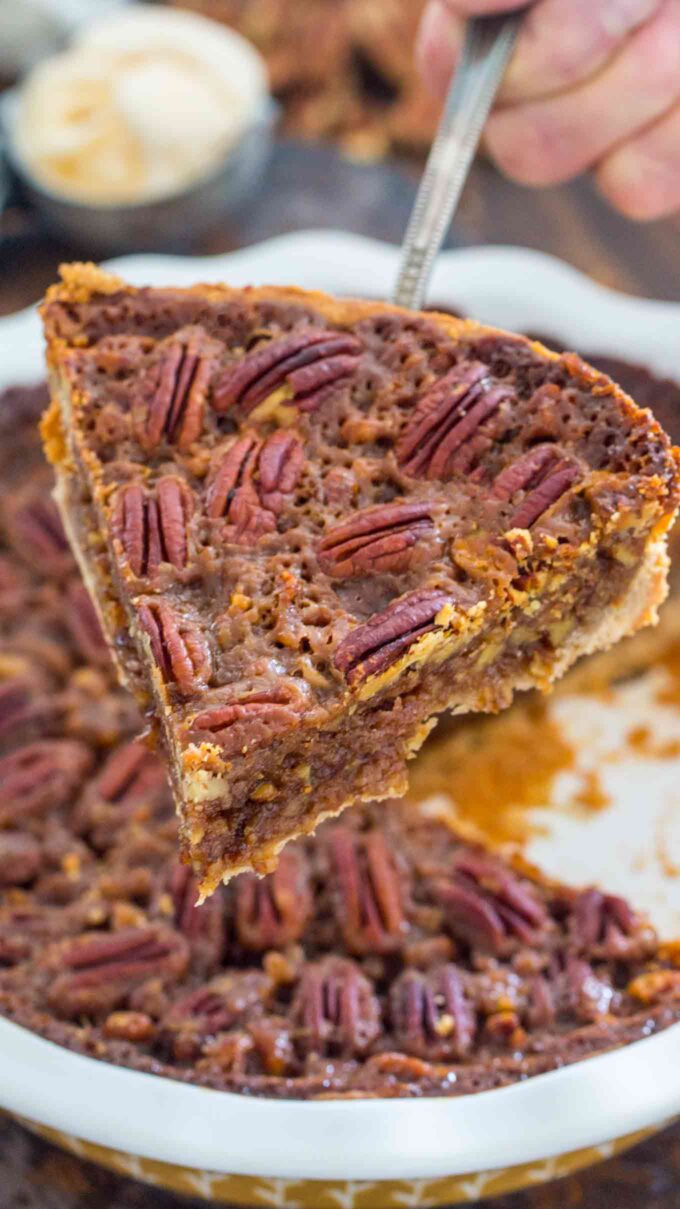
[[309, 526]]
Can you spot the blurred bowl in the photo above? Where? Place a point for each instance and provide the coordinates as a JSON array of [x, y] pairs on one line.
[[182, 195], [173, 223]]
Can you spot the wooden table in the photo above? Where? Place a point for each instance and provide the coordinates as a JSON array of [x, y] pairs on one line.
[[314, 188]]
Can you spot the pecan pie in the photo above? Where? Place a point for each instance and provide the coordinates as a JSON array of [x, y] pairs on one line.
[[309, 526], [386, 957]]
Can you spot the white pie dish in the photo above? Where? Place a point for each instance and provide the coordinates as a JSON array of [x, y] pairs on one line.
[[376, 1152]]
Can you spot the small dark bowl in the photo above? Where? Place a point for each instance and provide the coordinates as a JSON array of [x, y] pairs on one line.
[[173, 223]]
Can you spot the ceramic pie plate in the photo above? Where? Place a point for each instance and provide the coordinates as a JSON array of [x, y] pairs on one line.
[[383, 1153]]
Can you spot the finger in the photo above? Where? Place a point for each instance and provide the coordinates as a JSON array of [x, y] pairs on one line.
[[563, 42], [548, 141], [438, 44], [642, 177]]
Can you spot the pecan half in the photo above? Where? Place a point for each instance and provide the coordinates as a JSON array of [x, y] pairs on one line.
[[40, 776], [280, 466], [131, 774], [177, 645], [303, 365], [604, 926], [524, 472], [541, 1006], [335, 1009], [249, 721], [369, 896], [84, 626], [26, 708], [26, 926], [251, 482], [96, 971], [36, 533], [204, 926], [152, 527], [487, 906], [13, 586], [37, 639], [589, 995], [206, 1007], [233, 493], [375, 645], [263, 1046], [225, 1001], [548, 492], [431, 1014], [271, 912], [446, 417], [170, 402], [388, 537], [543, 474], [20, 858]]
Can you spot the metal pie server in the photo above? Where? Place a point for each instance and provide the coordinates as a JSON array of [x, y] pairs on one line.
[[486, 51]]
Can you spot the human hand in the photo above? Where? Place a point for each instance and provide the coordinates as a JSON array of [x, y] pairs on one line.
[[592, 85]]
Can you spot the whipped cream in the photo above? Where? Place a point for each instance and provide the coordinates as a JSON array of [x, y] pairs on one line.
[[144, 104]]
